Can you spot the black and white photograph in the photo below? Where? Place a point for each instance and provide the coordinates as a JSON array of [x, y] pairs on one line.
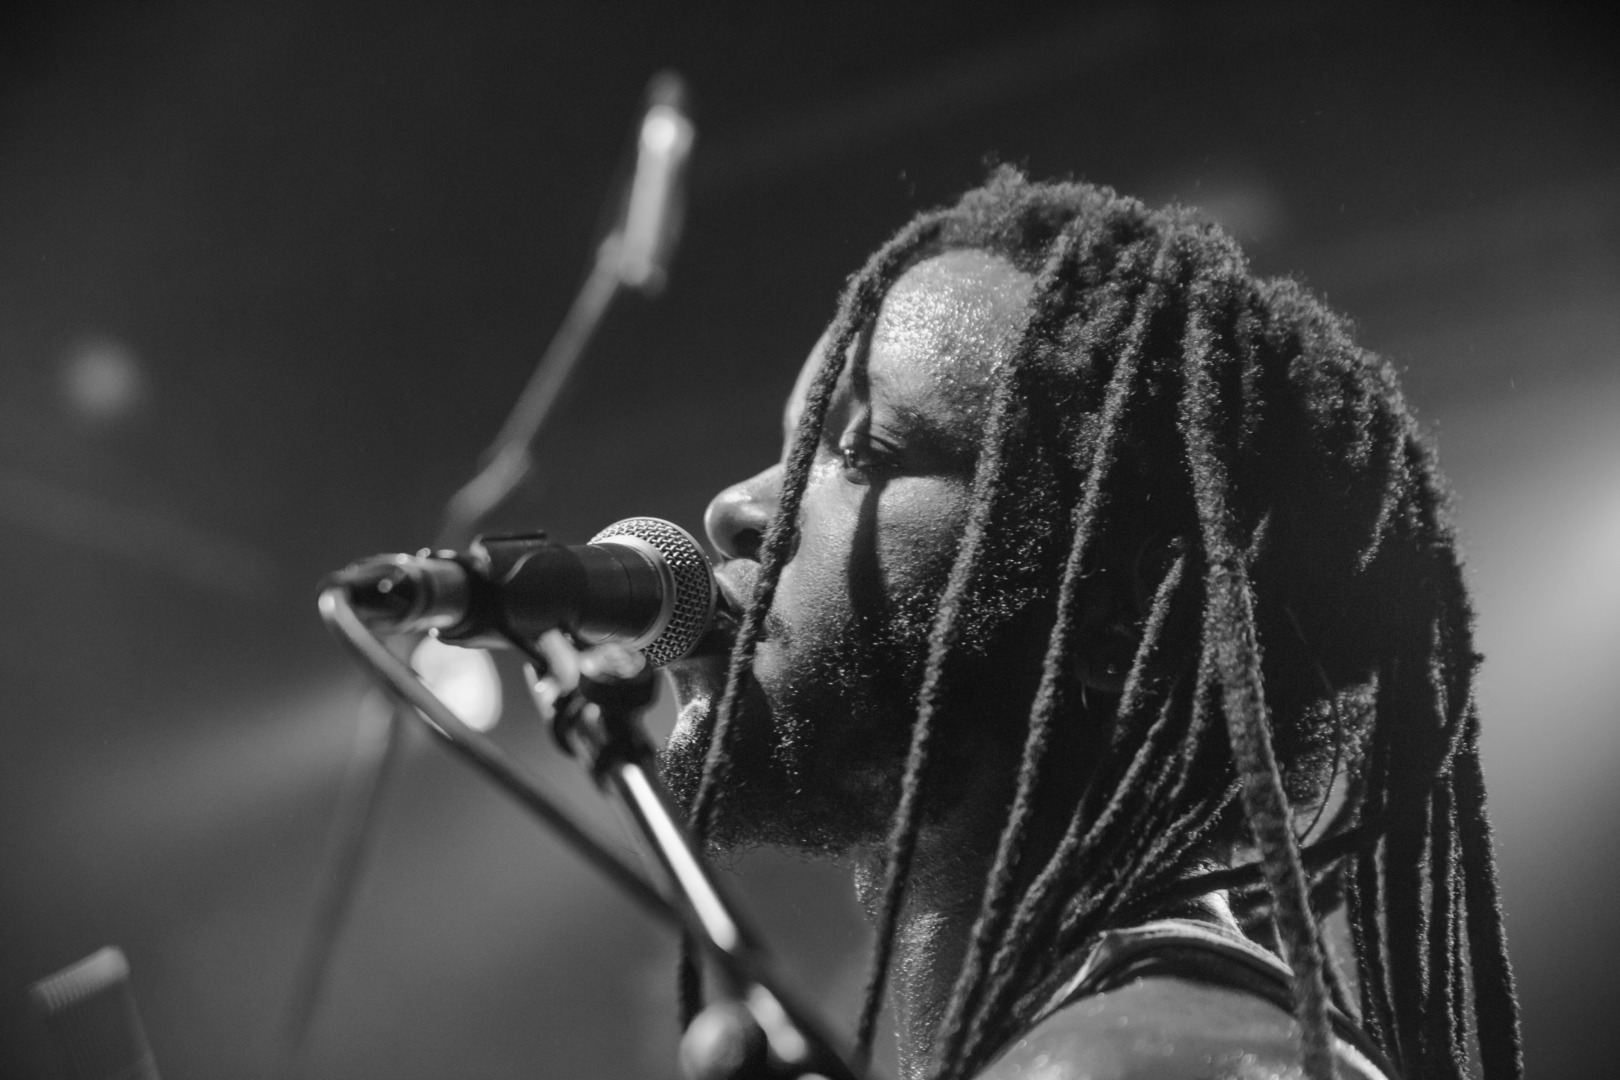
[[842, 541]]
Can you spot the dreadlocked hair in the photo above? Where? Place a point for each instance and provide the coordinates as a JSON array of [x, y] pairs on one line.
[[1299, 704]]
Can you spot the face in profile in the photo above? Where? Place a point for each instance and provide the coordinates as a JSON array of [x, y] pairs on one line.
[[827, 710]]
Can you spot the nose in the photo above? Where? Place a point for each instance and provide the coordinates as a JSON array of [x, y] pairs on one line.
[[738, 517]]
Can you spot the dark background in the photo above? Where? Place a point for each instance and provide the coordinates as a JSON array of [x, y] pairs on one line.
[[271, 274]]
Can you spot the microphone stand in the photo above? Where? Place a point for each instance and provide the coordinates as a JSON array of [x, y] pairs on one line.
[[599, 719], [375, 756], [600, 722], [759, 1032], [632, 256], [373, 760]]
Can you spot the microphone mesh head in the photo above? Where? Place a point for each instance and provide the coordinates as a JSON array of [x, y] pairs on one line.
[[693, 603]]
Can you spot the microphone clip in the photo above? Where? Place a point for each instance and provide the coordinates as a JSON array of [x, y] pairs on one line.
[[593, 700]]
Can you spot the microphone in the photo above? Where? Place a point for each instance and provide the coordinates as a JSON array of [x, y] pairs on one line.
[[653, 210], [643, 583]]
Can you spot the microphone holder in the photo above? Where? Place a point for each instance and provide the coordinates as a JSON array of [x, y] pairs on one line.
[[599, 721]]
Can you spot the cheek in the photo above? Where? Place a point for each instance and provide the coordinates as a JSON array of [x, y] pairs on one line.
[[814, 587], [920, 522], [866, 551]]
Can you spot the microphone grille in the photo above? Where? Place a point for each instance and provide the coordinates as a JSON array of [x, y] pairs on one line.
[[693, 603]]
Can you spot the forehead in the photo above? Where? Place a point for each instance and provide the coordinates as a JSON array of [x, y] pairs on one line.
[[945, 328]]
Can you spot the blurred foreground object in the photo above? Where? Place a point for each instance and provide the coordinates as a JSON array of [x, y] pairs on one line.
[[90, 1012], [464, 679]]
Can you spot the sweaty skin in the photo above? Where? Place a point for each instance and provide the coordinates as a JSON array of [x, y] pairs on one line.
[[1166, 1029], [880, 522], [826, 715], [823, 745]]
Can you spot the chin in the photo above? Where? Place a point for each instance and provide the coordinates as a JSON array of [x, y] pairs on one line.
[[692, 719], [791, 784], [697, 691]]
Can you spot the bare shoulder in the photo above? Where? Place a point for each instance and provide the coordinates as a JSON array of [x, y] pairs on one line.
[[1166, 1028]]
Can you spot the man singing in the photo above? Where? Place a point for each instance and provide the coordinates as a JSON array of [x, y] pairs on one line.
[[1104, 612]]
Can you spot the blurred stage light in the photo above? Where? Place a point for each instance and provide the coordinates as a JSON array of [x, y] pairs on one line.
[[102, 379], [1541, 521], [464, 679], [663, 130]]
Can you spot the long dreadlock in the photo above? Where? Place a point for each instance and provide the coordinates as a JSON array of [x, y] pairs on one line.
[[1309, 632]]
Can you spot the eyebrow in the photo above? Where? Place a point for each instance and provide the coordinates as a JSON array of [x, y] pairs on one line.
[[925, 432], [923, 424], [926, 428], [919, 425]]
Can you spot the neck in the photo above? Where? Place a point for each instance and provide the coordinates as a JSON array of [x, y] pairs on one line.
[[936, 921], [931, 936]]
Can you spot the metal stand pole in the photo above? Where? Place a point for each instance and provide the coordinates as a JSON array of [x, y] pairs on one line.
[[379, 738], [602, 723]]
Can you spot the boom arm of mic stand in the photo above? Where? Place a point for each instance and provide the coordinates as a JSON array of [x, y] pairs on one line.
[[483, 753], [615, 686], [509, 457], [796, 1040]]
